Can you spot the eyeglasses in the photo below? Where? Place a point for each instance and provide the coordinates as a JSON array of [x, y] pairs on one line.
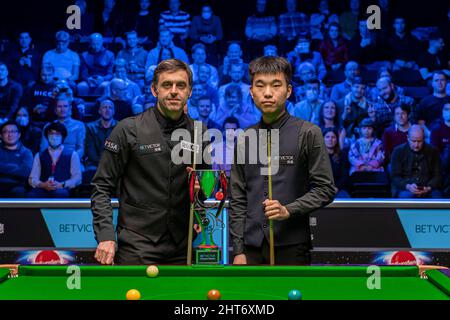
[[10, 131]]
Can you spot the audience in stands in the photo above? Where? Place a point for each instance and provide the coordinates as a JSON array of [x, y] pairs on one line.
[[338, 161], [329, 119], [15, 162], [120, 72], [135, 57], [433, 59], [430, 108], [96, 67], [397, 133], [10, 95], [144, 101], [233, 56], [65, 61], [145, 23], [156, 55], [303, 52], [366, 153], [260, 29], [206, 29], [56, 170], [38, 95], [205, 108], [118, 94], [236, 76], [96, 134], [199, 60], [306, 72], [23, 61], [388, 99], [340, 90], [402, 46], [308, 109], [334, 49], [30, 134], [76, 131], [348, 20], [416, 168], [291, 26], [177, 21]]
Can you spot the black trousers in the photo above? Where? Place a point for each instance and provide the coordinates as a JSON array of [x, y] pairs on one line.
[[135, 249], [297, 254]]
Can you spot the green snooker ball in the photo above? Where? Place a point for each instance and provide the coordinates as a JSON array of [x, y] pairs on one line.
[[152, 271], [295, 295]]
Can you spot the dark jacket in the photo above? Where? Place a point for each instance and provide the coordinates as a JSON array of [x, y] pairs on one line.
[[15, 166], [304, 182], [402, 163], [154, 193], [96, 136]]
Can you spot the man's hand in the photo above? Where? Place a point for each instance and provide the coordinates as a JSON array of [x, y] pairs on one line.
[[275, 211], [240, 259], [105, 252], [48, 185], [413, 189]]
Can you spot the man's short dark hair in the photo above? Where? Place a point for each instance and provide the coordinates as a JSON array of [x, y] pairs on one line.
[[404, 107], [334, 24], [233, 88], [231, 120], [9, 123], [205, 97], [197, 46], [439, 72], [58, 127], [171, 65], [271, 65], [358, 80]]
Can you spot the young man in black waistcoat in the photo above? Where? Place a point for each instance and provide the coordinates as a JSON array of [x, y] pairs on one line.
[[154, 195], [301, 182]]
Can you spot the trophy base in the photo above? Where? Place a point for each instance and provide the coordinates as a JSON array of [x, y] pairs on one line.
[[207, 256]]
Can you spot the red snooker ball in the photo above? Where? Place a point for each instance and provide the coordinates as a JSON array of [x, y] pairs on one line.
[[219, 195], [214, 295]]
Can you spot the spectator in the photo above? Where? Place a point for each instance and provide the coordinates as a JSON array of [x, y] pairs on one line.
[[388, 99], [207, 29], [204, 74], [224, 152], [144, 101], [120, 72], [146, 23], [234, 106], [304, 53], [76, 132], [165, 43], [233, 56], [88, 22], [78, 106], [440, 134], [199, 57], [329, 119], [397, 134], [15, 162], [236, 75], [135, 57], [177, 22], [65, 61], [308, 109], [354, 106], [38, 95], [366, 153], [113, 18], [23, 61], [430, 107], [334, 48], [30, 135], [55, 169], [96, 67], [320, 20], [205, 108], [305, 73], [415, 168], [292, 24], [10, 95], [402, 46], [338, 160], [382, 73], [118, 90], [433, 59], [197, 92], [363, 47], [260, 29], [270, 51], [340, 90], [349, 20], [96, 134]]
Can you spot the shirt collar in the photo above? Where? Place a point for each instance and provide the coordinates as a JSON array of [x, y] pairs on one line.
[[278, 123]]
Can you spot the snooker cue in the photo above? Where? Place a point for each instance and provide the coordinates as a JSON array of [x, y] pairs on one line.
[[191, 210], [271, 237]]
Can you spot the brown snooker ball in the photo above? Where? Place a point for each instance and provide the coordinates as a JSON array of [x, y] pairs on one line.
[[214, 295]]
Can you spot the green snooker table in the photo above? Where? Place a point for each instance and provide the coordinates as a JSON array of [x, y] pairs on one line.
[[233, 282]]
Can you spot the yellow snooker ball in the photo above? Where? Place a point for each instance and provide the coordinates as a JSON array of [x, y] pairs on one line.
[[152, 271], [133, 294]]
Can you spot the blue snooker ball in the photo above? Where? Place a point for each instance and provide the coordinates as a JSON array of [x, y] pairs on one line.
[[295, 295]]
